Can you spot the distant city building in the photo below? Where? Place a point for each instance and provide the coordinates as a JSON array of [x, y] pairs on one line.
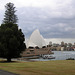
[[74, 49], [69, 44], [74, 44], [65, 45], [36, 41], [62, 44], [50, 43], [58, 48], [62, 48]]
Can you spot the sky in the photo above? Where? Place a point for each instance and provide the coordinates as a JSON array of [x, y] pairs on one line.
[[53, 18]]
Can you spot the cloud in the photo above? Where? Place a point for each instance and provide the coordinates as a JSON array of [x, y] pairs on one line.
[[54, 18], [31, 3], [32, 18]]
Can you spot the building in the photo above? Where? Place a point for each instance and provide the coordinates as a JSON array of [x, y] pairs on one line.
[[62, 44], [36, 45], [36, 39], [62, 48], [50, 43]]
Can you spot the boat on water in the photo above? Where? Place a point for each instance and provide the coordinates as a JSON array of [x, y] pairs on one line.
[[48, 57]]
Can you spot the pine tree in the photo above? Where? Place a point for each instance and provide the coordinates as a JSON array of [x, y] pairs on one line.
[[10, 14], [11, 37]]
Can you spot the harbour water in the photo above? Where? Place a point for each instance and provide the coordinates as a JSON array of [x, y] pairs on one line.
[[63, 55], [59, 55]]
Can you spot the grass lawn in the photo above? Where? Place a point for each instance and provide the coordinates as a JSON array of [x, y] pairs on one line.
[[58, 67]]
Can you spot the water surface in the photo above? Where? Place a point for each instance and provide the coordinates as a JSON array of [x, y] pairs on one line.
[[59, 55]]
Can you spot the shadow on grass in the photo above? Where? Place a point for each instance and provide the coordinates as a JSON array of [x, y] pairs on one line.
[[16, 61], [4, 61]]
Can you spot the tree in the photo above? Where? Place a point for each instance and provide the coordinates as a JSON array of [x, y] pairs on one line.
[[10, 15], [11, 37]]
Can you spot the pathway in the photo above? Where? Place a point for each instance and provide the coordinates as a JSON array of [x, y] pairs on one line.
[[2, 72]]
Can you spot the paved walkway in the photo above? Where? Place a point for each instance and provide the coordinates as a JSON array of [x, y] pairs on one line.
[[2, 72]]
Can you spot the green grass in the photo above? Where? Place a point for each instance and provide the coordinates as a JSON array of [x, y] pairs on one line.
[[58, 67]]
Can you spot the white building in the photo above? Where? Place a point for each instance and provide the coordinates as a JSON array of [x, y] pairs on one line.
[[36, 39], [50, 43], [62, 48]]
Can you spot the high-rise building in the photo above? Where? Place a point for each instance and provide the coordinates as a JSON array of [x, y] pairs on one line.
[[62, 44], [50, 43]]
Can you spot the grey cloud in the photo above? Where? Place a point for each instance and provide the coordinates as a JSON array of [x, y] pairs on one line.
[[52, 23], [31, 18]]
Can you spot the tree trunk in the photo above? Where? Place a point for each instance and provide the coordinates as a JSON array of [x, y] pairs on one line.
[[8, 59]]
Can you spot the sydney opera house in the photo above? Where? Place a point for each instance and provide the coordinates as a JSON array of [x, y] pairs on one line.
[[36, 39], [36, 45]]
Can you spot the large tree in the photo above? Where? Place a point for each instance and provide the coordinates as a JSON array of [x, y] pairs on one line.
[[11, 37], [10, 15]]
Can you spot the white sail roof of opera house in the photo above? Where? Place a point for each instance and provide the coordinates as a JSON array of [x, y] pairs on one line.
[[36, 39]]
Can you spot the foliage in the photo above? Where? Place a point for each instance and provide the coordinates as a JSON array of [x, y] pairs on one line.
[[10, 14], [11, 37], [11, 41]]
